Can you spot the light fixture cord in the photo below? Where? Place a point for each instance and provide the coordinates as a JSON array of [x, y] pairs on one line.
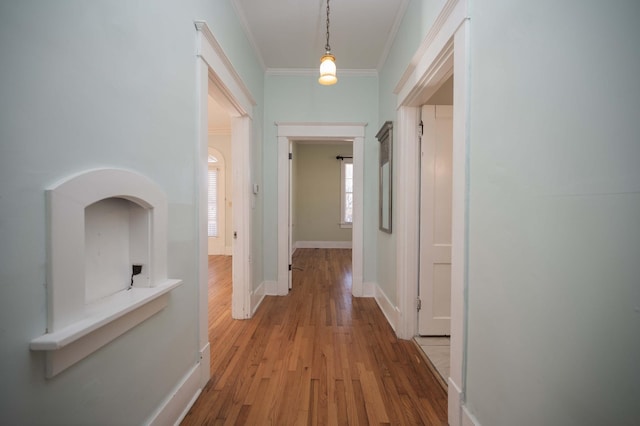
[[327, 47]]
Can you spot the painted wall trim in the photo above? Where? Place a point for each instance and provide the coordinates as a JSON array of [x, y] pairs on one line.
[[270, 288], [247, 32], [177, 404], [257, 296], [323, 244], [388, 309], [217, 59], [454, 395], [288, 132], [433, 37], [468, 419]]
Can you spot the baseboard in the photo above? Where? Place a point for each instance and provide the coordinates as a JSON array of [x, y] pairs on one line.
[[228, 251], [369, 289], [205, 365], [323, 244], [387, 308], [468, 419], [257, 296], [455, 403], [176, 406], [270, 288]]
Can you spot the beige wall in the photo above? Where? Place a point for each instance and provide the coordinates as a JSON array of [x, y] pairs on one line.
[[316, 192]]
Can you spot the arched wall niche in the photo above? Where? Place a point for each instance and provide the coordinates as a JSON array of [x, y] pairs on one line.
[[107, 262]]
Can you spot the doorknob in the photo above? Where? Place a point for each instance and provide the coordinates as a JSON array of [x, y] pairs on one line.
[[235, 235]]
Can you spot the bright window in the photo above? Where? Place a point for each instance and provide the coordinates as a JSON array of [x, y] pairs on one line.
[[212, 210], [346, 202]]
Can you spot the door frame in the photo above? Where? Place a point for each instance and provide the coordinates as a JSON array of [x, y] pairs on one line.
[[291, 132], [444, 52], [215, 75]]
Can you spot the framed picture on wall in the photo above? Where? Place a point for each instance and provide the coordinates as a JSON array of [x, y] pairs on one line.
[[385, 196]]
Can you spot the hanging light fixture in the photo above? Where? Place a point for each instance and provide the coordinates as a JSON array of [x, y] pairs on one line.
[[328, 61]]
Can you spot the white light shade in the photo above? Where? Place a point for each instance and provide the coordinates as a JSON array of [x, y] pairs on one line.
[[328, 70]]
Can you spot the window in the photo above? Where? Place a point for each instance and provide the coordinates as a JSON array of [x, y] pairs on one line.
[[212, 210], [346, 201]]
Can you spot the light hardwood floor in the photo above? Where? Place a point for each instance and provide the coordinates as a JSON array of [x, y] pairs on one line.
[[316, 356]]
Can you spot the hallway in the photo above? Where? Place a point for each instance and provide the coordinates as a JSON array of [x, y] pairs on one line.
[[316, 356]]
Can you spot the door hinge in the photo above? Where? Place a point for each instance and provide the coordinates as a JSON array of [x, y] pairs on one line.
[[421, 128], [290, 267], [291, 156], [418, 304]]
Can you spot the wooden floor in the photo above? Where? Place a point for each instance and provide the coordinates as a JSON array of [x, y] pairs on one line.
[[316, 356]]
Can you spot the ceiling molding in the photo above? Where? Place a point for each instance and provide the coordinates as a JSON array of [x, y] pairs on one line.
[[316, 71], [247, 32], [392, 34]]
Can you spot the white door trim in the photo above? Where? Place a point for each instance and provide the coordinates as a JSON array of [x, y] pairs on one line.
[[445, 51], [288, 132], [215, 73]]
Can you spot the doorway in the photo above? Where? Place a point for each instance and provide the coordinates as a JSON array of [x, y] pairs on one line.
[[216, 78], [288, 133], [434, 285], [443, 53], [321, 201]]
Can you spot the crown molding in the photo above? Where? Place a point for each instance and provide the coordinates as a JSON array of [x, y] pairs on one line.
[[392, 33], [247, 32], [218, 54]]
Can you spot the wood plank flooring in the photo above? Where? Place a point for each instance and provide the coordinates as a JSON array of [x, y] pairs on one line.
[[315, 357]]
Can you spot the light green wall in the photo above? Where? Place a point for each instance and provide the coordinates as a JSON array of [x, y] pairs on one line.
[[417, 20], [554, 213], [302, 99], [317, 193], [101, 84]]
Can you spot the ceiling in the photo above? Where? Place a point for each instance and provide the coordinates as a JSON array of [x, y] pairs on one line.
[[291, 34]]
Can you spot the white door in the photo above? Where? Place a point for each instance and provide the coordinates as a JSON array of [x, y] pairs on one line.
[[290, 220], [434, 317]]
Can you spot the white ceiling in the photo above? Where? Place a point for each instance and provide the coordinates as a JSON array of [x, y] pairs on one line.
[[291, 34]]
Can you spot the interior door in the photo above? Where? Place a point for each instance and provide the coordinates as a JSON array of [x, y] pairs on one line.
[[434, 317]]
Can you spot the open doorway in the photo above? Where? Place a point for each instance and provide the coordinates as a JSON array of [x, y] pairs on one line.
[[321, 195], [289, 133], [434, 277], [443, 53], [216, 78]]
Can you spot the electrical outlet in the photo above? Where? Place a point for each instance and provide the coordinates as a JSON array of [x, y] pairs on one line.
[[136, 269]]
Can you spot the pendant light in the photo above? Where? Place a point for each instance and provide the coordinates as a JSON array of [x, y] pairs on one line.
[[328, 61]]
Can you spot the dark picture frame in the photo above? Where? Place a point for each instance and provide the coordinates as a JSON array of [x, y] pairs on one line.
[[385, 195]]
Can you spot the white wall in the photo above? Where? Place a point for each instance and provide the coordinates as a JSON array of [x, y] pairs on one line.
[[87, 85], [554, 213]]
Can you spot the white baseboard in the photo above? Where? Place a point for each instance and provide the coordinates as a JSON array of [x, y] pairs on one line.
[[228, 251], [323, 244], [369, 289], [389, 311], [455, 403], [205, 365], [257, 296], [468, 419], [179, 401], [270, 288]]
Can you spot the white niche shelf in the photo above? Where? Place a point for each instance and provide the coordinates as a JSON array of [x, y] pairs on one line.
[[100, 224]]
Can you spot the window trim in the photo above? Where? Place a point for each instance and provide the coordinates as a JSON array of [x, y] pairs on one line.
[[345, 161]]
